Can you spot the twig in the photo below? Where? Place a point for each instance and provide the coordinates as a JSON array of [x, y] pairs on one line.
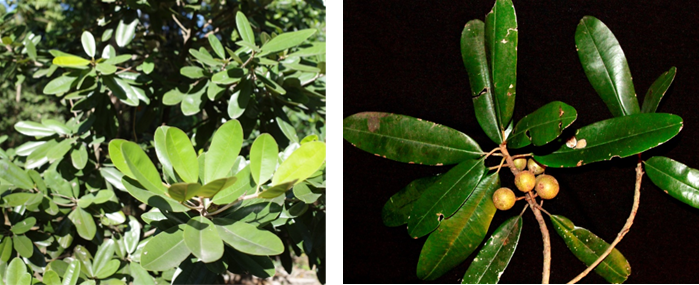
[[624, 230], [185, 32], [498, 166], [491, 152]]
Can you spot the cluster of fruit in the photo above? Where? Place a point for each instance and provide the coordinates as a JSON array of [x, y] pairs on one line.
[[546, 186]]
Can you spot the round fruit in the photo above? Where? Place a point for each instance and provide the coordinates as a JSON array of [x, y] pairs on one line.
[[535, 167], [547, 186], [520, 163], [525, 181], [504, 198]]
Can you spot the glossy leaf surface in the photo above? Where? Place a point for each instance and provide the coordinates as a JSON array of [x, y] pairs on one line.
[[301, 164], [247, 238], [84, 223], [501, 38], [587, 247], [476, 63], [166, 250], [151, 198], [17, 274], [216, 46], [495, 255], [225, 146], [72, 273], [243, 185], [88, 42], [202, 238], [397, 210], [543, 125], [79, 157], [459, 235], [616, 137], [244, 28], [285, 41], [444, 197], [657, 91], [605, 65], [125, 32], [15, 175], [676, 179], [407, 139], [23, 245], [118, 158], [212, 188], [263, 158], [276, 190], [59, 85], [29, 128], [142, 168], [182, 155], [183, 191]]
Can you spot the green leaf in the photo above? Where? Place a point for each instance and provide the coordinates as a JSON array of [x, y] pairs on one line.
[[587, 247], [15, 175], [108, 52], [117, 59], [166, 250], [51, 278], [657, 91], [205, 58], [105, 68], [444, 197], [397, 210], [543, 125], [210, 189], [285, 41], [153, 199], [60, 150], [459, 235], [407, 139], [84, 223], [605, 66], [141, 167], [316, 48], [17, 274], [140, 275], [132, 236], [248, 238], [183, 191], [277, 190], [501, 38], [107, 270], [263, 158], [287, 129], [59, 85], [125, 32], [56, 126], [228, 77], [202, 238], [216, 46], [675, 178], [192, 72], [117, 157], [214, 91], [23, 226], [123, 90], [6, 249], [244, 28], [103, 255], [616, 137], [271, 85], [161, 151], [182, 155], [241, 186], [476, 63], [79, 157], [31, 49], [71, 61], [495, 255], [301, 164], [147, 66], [23, 245], [72, 273], [29, 128], [88, 42], [305, 194], [225, 146]]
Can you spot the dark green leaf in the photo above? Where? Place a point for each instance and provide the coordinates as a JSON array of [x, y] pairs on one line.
[[407, 139], [307, 195], [397, 210], [675, 179], [617, 137], [228, 77], [316, 48], [271, 85], [301, 164], [202, 238], [59, 85], [225, 146], [166, 250], [459, 235], [247, 238], [501, 38], [125, 32], [657, 91], [263, 158], [15, 175], [23, 245], [183, 191], [543, 125], [495, 255], [243, 185], [244, 28], [182, 155], [476, 63], [605, 66], [285, 41], [88, 42], [60, 150], [205, 58], [276, 190], [444, 197], [210, 189], [29, 128], [216, 46], [79, 157], [84, 223], [587, 247]]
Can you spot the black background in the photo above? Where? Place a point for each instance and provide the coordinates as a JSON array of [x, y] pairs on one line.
[[403, 57]]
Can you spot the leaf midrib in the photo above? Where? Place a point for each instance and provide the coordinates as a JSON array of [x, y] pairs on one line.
[[666, 174], [604, 262], [166, 252], [621, 138], [245, 239], [499, 249], [529, 127], [414, 141]]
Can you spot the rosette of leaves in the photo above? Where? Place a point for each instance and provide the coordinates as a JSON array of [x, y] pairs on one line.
[[256, 80], [219, 207], [455, 209]]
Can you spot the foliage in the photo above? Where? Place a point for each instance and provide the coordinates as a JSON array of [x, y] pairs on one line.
[[227, 96], [455, 209]]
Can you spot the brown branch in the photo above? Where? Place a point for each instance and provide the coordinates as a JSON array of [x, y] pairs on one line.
[[624, 230]]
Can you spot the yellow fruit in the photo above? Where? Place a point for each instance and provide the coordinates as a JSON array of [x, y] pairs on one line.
[[547, 186], [504, 198], [520, 163], [525, 181], [535, 167]]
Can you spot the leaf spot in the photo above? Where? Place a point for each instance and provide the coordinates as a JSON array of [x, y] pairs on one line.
[[571, 142], [581, 144], [438, 164], [579, 163]]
